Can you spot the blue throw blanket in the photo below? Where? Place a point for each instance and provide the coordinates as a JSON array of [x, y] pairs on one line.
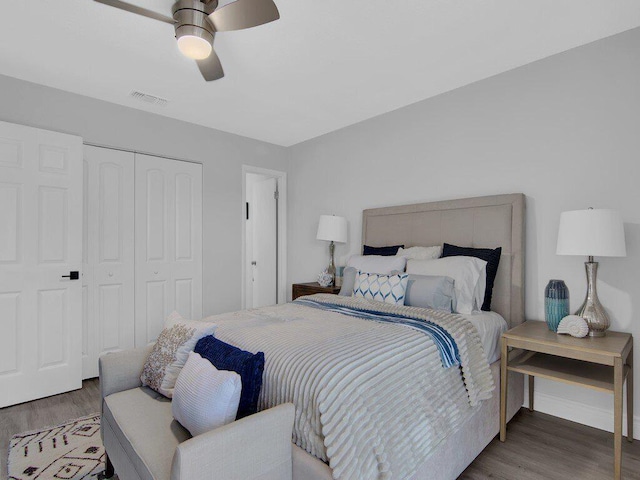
[[444, 341]]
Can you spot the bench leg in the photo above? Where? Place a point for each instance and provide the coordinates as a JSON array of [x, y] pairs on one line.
[[109, 471]]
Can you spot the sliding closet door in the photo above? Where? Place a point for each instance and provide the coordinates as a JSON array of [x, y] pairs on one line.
[[40, 260], [108, 255], [168, 207]]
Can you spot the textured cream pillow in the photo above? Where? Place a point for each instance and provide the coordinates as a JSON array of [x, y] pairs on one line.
[[170, 352], [204, 397], [420, 253], [377, 263]]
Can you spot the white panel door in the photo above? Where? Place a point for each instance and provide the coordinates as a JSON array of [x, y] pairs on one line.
[[168, 205], [265, 246], [40, 243], [108, 255]]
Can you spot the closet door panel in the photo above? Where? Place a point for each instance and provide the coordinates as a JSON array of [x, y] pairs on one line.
[[110, 276], [152, 263], [184, 227], [156, 306], [183, 291], [156, 202], [168, 243], [111, 212]]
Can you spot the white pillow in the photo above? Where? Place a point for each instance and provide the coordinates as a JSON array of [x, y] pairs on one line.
[[377, 263], [466, 272], [170, 352], [204, 397], [420, 253], [481, 287], [381, 288]]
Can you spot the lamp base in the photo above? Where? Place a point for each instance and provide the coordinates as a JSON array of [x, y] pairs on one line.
[[597, 334], [331, 269], [592, 310]]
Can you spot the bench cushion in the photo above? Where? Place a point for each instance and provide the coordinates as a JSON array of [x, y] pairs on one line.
[[141, 420]]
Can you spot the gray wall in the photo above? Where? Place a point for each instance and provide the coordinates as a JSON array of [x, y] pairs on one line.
[[221, 154], [563, 130]]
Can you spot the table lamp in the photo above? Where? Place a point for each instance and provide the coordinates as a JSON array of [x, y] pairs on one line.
[[332, 229], [592, 233]]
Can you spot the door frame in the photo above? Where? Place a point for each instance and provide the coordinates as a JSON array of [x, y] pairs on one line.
[[281, 179]]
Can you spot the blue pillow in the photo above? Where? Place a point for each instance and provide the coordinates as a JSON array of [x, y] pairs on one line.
[[248, 365], [389, 251]]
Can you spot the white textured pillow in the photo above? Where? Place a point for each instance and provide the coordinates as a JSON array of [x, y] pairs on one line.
[[170, 352], [466, 273], [377, 263], [381, 288], [420, 253], [204, 397]]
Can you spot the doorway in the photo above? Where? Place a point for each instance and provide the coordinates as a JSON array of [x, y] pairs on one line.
[[264, 237]]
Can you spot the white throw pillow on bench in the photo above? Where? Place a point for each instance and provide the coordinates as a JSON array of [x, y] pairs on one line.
[[204, 397]]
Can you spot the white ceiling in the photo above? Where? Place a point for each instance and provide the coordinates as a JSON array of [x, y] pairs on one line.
[[322, 66]]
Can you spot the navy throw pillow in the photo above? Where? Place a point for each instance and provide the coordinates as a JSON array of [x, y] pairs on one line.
[[384, 251], [489, 255], [248, 365]]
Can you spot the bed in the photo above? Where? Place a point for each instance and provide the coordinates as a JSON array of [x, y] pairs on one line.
[[371, 399]]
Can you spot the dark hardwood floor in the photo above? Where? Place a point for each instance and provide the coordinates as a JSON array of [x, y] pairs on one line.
[[538, 446]]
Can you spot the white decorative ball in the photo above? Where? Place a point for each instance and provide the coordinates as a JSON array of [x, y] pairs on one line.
[[325, 279]]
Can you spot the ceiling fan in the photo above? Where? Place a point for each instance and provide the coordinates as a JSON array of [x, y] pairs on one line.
[[196, 23]]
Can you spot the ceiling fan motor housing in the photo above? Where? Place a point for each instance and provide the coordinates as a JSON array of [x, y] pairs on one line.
[[191, 18]]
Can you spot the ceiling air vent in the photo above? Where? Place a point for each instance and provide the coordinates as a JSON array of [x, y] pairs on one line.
[[149, 99]]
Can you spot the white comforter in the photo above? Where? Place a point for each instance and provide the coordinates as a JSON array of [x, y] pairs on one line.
[[372, 399]]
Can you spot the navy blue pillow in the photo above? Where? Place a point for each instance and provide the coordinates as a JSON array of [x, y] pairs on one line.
[[384, 251], [248, 365], [491, 256]]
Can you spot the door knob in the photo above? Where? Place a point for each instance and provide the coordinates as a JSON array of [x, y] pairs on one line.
[[72, 275]]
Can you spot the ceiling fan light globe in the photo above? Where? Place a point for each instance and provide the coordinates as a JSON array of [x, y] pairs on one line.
[[194, 47]]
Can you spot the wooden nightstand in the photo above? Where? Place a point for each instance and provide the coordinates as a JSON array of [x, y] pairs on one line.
[[300, 289], [599, 363]]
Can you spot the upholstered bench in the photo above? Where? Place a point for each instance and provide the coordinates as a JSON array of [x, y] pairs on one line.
[[144, 442]]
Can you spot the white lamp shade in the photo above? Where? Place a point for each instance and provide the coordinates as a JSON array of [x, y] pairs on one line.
[[332, 229], [593, 232]]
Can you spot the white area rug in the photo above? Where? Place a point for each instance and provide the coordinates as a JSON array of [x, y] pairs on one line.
[[71, 451]]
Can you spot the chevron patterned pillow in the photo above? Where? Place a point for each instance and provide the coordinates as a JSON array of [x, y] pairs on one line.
[[382, 288]]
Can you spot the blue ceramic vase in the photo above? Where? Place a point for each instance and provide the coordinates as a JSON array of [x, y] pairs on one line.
[[556, 303]]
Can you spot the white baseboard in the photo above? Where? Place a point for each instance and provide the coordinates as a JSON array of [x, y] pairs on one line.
[[596, 417]]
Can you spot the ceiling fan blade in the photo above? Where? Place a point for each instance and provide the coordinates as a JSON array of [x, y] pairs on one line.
[[137, 10], [210, 67], [244, 14]]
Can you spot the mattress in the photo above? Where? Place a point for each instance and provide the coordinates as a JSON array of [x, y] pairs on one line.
[[490, 327]]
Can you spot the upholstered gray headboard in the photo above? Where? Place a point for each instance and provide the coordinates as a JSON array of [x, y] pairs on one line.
[[490, 222]]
